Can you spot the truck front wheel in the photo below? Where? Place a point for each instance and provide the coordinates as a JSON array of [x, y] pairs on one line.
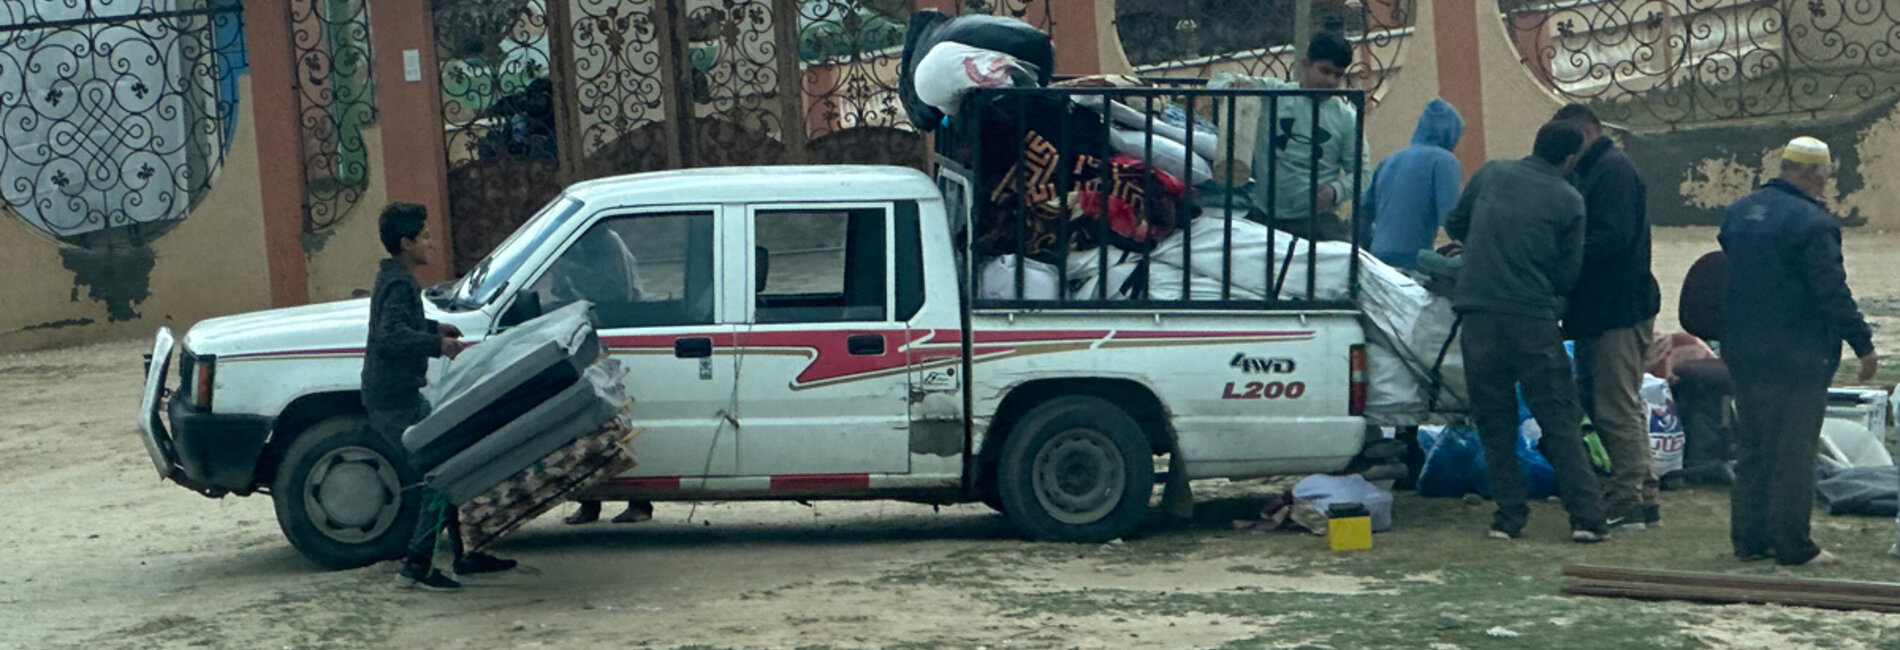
[[1076, 469], [340, 498]]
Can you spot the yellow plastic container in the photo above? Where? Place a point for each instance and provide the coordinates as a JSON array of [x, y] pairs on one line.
[[1348, 527]]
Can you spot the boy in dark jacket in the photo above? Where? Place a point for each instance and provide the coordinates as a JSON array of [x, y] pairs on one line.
[[1522, 228], [395, 368], [1612, 317], [1789, 310]]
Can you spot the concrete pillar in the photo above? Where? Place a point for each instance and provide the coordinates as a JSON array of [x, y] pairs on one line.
[[1460, 71], [279, 167], [410, 114]]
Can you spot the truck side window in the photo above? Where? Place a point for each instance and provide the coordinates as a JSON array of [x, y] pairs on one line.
[[639, 271], [821, 266]]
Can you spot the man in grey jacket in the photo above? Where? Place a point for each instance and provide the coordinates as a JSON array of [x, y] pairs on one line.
[[1522, 226]]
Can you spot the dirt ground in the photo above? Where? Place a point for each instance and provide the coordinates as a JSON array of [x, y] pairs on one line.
[[99, 554]]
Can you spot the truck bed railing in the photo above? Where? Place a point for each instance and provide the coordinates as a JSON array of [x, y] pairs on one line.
[[1055, 153]]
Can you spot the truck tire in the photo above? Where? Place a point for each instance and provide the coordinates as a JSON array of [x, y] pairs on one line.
[[1076, 469], [340, 498]]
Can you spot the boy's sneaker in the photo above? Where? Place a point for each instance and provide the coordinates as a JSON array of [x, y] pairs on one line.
[[479, 563], [1627, 522], [1652, 516], [1582, 536], [430, 581], [1495, 533]]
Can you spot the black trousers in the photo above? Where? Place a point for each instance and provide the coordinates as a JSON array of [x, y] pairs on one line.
[[437, 513], [1502, 352], [1775, 439]]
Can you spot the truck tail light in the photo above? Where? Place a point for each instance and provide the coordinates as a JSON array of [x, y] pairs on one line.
[[201, 383], [1359, 377]]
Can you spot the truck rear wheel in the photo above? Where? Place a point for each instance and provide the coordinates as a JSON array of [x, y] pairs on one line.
[[340, 498], [1076, 469]]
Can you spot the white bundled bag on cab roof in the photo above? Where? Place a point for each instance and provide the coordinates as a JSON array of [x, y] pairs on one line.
[[952, 70]]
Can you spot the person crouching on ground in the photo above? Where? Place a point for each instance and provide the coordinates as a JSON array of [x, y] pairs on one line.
[[1788, 311], [395, 367], [1522, 226]]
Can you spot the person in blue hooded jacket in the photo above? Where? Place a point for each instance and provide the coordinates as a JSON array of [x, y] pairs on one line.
[[1413, 189]]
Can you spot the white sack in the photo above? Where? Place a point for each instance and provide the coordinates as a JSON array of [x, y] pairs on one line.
[[951, 70], [997, 280]]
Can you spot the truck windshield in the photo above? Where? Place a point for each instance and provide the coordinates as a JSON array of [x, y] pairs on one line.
[[482, 285]]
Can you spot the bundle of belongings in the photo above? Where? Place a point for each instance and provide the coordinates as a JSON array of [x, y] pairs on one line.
[[1095, 195], [522, 420], [1413, 353]]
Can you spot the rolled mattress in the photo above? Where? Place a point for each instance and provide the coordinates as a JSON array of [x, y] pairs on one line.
[[497, 382]]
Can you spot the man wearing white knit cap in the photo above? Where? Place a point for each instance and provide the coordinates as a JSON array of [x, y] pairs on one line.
[[1789, 310]]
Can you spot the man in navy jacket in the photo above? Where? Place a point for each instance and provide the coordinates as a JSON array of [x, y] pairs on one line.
[[1612, 317], [1789, 310]]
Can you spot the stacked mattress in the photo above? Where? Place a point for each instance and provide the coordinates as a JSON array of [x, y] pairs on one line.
[[522, 420]]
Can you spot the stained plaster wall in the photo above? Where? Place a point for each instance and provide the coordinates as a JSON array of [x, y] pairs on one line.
[[212, 263], [343, 258]]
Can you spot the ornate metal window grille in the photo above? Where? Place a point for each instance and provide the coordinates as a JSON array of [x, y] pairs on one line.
[[1203, 38], [850, 51], [1674, 62], [618, 83], [336, 101], [1034, 12], [117, 113]]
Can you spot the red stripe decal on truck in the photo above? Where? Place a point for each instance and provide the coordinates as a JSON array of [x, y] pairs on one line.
[[810, 482]]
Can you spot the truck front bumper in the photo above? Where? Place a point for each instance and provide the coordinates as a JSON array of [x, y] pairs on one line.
[[216, 452], [210, 453]]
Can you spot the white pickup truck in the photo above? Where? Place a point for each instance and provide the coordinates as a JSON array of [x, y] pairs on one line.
[[792, 333]]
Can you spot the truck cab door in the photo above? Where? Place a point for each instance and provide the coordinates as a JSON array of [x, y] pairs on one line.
[[823, 370], [654, 278]]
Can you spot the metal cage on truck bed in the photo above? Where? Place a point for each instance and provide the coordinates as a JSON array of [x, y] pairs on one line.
[[1035, 173]]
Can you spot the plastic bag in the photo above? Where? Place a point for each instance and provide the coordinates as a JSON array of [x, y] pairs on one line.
[[952, 70], [1454, 463], [1323, 490], [997, 280], [998, 34], [1665, 426]]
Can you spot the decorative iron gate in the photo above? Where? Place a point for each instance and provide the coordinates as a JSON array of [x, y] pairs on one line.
[[1202, 38], [117, 113], [1670, 63], [538, 94]]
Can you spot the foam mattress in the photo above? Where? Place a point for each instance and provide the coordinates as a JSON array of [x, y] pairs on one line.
[[576, 412], [498, 381]]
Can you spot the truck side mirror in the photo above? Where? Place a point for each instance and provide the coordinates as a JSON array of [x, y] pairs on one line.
[[526, 307]]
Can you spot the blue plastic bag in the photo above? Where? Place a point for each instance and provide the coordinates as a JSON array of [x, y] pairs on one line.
[[1454, 463], [1455, 466]]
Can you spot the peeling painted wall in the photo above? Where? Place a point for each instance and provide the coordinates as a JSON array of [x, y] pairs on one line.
[[344, 258], [211, 264]]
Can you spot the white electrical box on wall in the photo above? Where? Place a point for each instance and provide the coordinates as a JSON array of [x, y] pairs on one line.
[[411, 65]]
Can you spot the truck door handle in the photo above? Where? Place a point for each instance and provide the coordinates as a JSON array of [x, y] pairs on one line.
[[865, 344], [698, 347]]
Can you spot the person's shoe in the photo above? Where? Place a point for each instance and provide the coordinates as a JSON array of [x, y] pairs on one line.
[[1652, 516], [479, 563], [430, 581], [1628, 522], [1754, 556], [1823, 558], [1496, 533], [588, 513], [637, 511], [1894, 550], [1582, 536]]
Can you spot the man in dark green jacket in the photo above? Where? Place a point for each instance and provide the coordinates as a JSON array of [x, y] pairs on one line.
[[395, 368], [1788, 311], [1522, 228], [1612, 317]]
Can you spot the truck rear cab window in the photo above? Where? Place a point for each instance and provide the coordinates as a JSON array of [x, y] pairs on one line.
[[639, 271], [820, 265]]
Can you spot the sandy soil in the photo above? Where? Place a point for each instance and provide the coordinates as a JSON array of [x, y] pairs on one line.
[[100, 554]]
